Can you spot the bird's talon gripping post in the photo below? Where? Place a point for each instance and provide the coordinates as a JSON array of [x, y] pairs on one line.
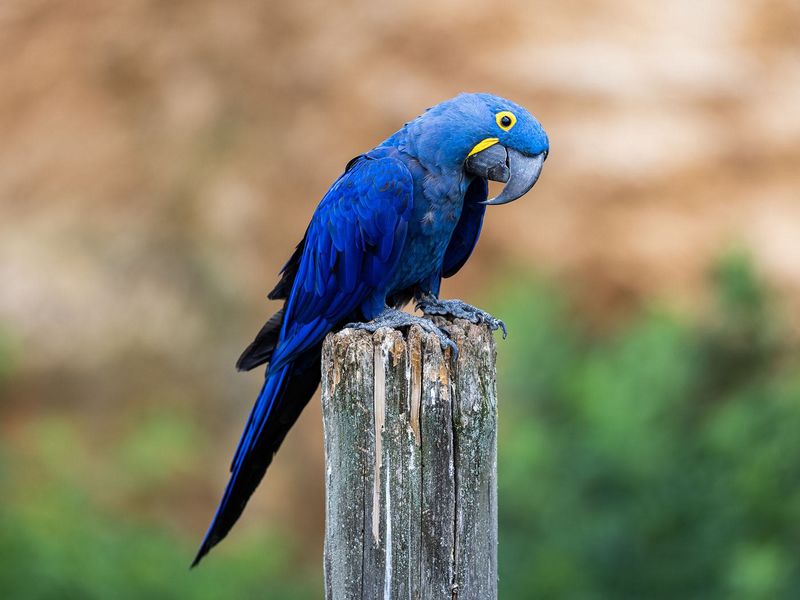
[[460, 310], [398, 319], [499, 324]]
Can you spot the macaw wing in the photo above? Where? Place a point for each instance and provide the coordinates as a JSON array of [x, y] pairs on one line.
[[351, 247], [468, 228]]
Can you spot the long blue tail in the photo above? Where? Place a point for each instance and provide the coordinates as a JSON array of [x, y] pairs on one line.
[[282, 398]]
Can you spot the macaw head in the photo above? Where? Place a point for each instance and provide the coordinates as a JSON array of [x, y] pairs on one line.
[[481, 135]]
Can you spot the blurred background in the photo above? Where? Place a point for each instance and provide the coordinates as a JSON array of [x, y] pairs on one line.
[[158, 162]]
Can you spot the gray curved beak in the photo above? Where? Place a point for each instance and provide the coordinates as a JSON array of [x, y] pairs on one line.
[[518, 171]]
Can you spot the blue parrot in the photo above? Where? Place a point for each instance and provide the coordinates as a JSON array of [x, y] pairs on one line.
[[400, 218]]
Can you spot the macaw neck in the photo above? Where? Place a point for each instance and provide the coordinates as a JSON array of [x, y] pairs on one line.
[[436, 153], [439, 182]]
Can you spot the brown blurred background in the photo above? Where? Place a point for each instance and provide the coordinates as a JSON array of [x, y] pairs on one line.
[[158, 161]]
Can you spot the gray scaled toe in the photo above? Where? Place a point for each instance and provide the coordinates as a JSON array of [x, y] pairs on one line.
[[461, 310], [398, 319]]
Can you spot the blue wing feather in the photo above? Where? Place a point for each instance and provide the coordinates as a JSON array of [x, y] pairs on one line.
[[334, 237], [358, 231], [337, 271], [350, 249]]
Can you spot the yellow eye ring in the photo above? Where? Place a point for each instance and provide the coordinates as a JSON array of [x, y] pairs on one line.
[[505, 120]]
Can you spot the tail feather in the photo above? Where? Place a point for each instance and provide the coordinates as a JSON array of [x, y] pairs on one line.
[[283, 397], [262, 347]]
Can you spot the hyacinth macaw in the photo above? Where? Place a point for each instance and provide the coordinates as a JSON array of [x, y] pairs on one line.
[[399, 218]]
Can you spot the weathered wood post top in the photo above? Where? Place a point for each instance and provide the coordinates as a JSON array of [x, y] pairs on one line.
[[411, 465]]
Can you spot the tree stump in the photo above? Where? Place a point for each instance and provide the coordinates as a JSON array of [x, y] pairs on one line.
[[411, 465]]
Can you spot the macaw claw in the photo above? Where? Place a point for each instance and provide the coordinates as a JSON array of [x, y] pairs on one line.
[[460, 310], [398, 319]]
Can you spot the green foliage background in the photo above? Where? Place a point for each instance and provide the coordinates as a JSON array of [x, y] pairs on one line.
[[661, 460]]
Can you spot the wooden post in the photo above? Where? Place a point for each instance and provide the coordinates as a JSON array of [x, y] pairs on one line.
[[411, 465]]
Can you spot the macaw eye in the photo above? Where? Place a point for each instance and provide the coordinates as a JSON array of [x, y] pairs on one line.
[[505, 120]]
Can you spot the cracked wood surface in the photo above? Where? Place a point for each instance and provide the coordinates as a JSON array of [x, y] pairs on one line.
[[411, 465]]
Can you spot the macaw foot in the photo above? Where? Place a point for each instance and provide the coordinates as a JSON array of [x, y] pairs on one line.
[[460, 310], [397, 319]]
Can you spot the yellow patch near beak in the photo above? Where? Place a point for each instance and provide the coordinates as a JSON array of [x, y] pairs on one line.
[[483, 145]]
